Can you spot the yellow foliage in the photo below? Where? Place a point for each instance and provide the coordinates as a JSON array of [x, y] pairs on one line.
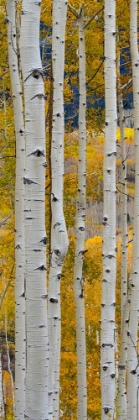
[[129, 135], [7, 275], [7, 386], [92, 267]]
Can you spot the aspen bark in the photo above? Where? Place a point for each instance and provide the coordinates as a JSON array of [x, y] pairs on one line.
[[123, 210], [122, 365], [109, 219], [80, 230], [132, 358], [59, 239], [35, 235], [20, 362]]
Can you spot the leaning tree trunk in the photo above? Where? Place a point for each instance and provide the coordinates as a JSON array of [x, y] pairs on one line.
[[59, 239], [109, 220], [35, 235], [132, 359], [80, 230], [19, 215]]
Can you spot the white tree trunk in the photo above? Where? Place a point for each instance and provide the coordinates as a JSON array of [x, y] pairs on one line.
[[19, 214], [122, 395], [122, 368], [80, 230], [35, 235], [109, 220], [59, 239], [1, 391], [132, 359], [56, 402], [123, 209]]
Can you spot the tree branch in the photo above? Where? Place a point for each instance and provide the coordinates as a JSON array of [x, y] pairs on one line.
[[4, 293], [73, 11], [93, 17], [95, 72], [125, 194], [5, 220]]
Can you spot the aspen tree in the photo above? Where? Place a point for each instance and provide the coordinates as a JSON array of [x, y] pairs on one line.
[[13, 57], [109, 219], [122, 396], [80, 222], [35, 235], [80, 229], [59, 238], [132, 358]]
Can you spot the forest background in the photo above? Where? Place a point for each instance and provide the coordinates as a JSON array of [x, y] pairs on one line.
[[92, 267]]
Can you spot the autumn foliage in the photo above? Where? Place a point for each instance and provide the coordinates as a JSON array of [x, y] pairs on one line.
[[92, 268]]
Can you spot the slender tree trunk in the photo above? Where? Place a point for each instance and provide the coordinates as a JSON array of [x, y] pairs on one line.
[[50, 116], [132, 359], [109, 220], [19, 214], [59, 239], [35, 235], [80, 230], [122, 395], [123, 212]]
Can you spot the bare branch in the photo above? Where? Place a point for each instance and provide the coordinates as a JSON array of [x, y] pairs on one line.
[[5, 220], [4, 293], [6, 288], [100, 65], [129, 242], [73, 11], [125, 194], [93, 17], [127, 85]]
